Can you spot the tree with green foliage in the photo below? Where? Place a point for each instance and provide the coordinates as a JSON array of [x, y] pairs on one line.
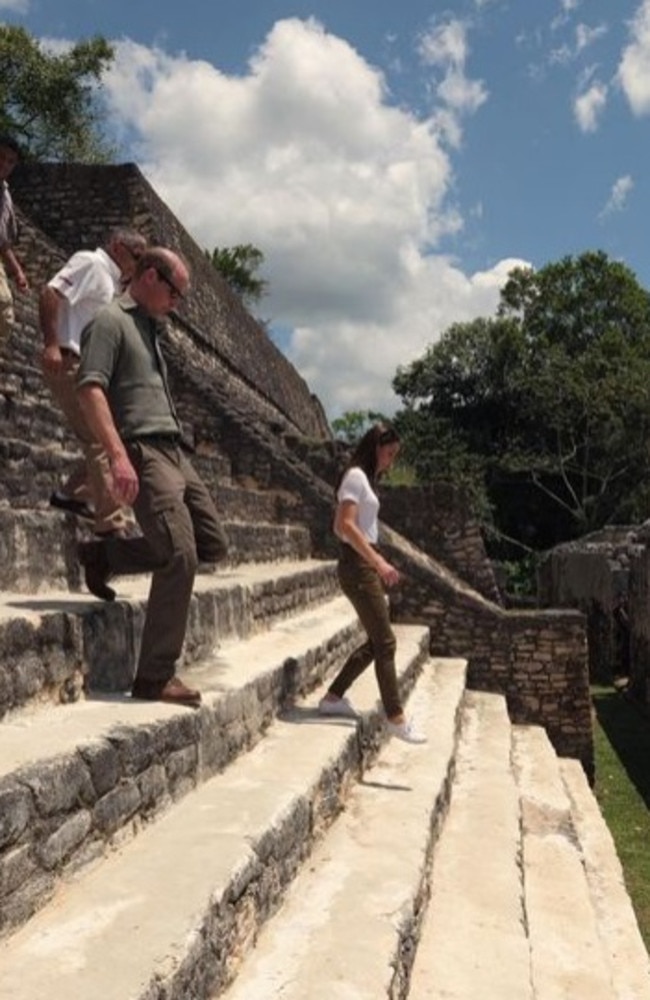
[[542, 412], [353, 424], [238, 266], [50, 102]]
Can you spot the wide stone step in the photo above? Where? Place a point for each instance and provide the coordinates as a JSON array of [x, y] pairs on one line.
[[74, 778], [53, 644], [620, 937], [566, 951], [38, 548], [350, 922], [170, 914], [473, 941]]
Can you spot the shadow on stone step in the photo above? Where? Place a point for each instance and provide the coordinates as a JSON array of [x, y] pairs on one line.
[[46, 604], [386, 786], [306, 716], [627, 728]]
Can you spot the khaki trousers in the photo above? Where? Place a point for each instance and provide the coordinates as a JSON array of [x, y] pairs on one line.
[[181, 528], [7, 317], [90, 478], [362, 585]]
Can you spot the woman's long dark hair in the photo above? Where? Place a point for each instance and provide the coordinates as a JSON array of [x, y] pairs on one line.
[[364, 455]]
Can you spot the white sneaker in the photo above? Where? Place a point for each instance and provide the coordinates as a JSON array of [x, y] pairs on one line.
[[405, 731], [340, 706]]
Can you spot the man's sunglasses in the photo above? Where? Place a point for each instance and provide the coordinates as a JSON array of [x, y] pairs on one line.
[[173, 290]]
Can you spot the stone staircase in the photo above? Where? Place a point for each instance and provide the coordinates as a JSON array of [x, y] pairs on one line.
[[252, 850]]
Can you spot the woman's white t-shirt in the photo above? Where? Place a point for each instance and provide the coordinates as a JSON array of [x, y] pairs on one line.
[[356, 487]]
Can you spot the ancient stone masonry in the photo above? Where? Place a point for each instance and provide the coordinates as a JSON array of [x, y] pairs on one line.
[[438, 520], [263, 445], [594, 574], [538, 660], [639, 626], [77, 205], [194, 829]]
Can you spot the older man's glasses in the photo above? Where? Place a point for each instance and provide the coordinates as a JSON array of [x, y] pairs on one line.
[[135, 253], [175, 292]]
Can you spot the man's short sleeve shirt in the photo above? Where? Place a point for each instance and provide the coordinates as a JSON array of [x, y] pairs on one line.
[[89, 280], [120, 353]]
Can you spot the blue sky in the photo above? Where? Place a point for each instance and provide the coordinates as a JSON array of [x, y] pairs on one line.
[[392, 160]]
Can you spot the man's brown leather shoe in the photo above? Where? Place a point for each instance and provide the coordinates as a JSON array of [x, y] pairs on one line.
[[96, 571], [174, 692]]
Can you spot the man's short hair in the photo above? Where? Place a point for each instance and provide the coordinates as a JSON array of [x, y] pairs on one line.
[[8, 142], [130, 238], [158, 258]]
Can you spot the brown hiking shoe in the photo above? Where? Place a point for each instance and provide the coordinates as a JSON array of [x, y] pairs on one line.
[[96, 570], [174, 692]]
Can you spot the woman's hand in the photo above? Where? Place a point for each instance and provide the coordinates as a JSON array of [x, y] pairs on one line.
[[388, 573]]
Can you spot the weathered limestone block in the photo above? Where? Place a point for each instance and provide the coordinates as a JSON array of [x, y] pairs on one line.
[[60, 844], [16, 811], [116, 807], [60, 785]]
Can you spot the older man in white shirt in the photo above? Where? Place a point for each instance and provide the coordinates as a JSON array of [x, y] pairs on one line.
[[89, 280]]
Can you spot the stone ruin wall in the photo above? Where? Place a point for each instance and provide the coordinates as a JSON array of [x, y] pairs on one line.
[[236, 390], [607, 576], [438, 520], [639, 626], [75, 205], [536, 658]]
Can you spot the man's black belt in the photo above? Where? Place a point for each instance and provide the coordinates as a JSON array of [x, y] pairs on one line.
[[158, 440]]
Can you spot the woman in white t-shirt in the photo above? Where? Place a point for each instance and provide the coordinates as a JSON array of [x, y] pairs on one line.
[[363, 574]]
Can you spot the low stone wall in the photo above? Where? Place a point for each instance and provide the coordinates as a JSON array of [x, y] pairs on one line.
[[439, 521]]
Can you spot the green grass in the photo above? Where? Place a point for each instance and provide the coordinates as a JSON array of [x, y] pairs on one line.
[[622, 748]]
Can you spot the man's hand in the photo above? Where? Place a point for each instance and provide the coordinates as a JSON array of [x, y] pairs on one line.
[[51, 358], [20, 278], [125, 480]]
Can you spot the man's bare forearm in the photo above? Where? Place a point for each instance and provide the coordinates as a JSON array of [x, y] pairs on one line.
[[48, 313], [95, 408]]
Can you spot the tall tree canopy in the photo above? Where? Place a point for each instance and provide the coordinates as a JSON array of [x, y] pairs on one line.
[[353, 424], [544, 410], [238, 265], [49, 102]]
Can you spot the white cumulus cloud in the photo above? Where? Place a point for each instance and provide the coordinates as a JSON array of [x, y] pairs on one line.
[[347, 195], [589, 105], [634, 67], [445, 46], [617, 200]]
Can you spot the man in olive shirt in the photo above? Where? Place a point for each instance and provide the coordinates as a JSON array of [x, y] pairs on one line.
[[123, 392]]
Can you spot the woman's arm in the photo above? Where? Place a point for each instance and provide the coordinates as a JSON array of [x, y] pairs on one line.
[[347, 529], [14, 268]]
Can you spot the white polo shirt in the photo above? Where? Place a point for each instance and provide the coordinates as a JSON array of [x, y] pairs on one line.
[[356, 487], [89, 280]]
